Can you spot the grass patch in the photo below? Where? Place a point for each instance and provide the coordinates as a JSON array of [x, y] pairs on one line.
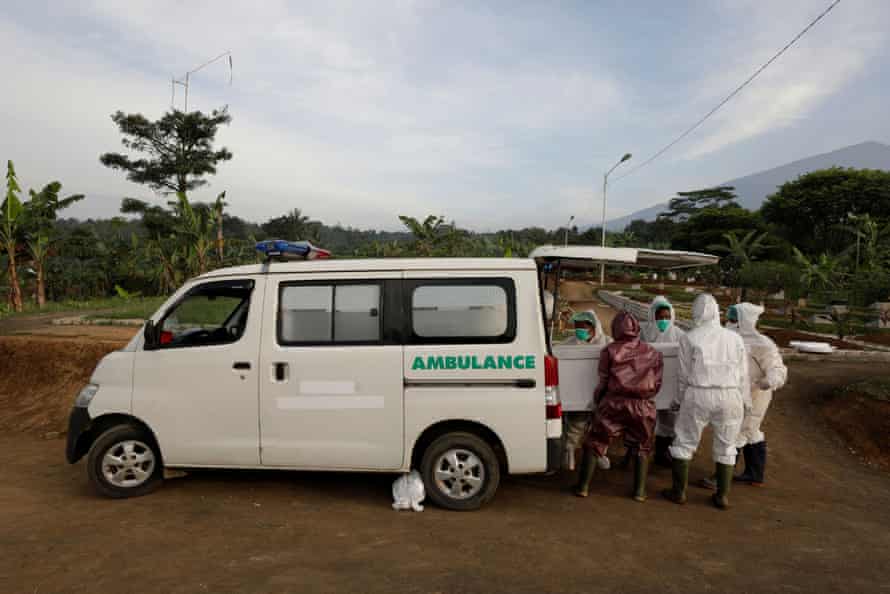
[[139, 307]]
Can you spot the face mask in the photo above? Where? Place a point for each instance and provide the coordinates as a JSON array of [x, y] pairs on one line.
[[663, 325], [582, 334]]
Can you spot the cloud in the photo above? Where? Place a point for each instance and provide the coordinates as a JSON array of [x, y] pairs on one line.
[[824, 62]]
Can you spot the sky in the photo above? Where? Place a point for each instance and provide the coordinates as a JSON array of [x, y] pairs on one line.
[[492, 114]]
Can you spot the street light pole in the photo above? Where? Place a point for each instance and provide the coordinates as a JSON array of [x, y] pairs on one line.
[[626, 157], [569, 226]]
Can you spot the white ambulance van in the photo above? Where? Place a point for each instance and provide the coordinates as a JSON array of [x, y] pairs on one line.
[[439, 365]]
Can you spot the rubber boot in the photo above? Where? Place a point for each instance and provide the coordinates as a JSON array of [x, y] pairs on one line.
[[641, 469], [662, 454], [724, 480], [748, 475], [680, 475], [758, 453], [585, 473]]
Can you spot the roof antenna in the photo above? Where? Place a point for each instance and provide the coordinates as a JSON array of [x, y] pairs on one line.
[[185, 79]]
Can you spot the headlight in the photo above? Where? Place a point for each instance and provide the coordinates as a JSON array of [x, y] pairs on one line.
[[86, 395]]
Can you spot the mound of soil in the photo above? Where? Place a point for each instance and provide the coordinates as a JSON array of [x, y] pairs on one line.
[[860, 413], [39, 378]]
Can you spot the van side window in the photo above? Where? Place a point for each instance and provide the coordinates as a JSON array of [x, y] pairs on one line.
[[210, 314], [463, 310], [338, 313]]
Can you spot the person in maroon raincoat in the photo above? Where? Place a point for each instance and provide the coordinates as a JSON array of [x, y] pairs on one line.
[[624, 402]]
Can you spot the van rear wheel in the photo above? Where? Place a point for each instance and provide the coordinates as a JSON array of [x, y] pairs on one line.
[[460, 471], [125, 462]]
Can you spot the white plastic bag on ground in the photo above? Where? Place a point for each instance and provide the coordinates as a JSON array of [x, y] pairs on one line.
[[408, 492]]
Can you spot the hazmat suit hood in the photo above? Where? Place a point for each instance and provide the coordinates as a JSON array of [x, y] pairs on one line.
[[625, 327], [749, 314], [705, 311], [659, 303]]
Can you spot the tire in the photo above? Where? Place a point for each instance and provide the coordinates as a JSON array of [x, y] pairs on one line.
[[139, 469], [463, 453]]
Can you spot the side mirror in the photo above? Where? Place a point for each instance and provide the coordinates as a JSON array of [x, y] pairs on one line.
[[151, 336]]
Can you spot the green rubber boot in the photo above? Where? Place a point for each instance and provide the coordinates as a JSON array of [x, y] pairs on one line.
[[724, 480], [641, 469], [585, 473], [680, 473]]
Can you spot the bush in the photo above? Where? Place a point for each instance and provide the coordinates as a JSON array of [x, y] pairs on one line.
[[772, 277]]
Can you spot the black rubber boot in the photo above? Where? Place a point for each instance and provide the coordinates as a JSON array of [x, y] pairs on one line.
[[585, 473], [680, 475], [748, 475], [641, 469], [724, 480], [662, 453], [758, 453]]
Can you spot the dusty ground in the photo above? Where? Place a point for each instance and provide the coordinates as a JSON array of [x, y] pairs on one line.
[[821, 525], [860, 414]]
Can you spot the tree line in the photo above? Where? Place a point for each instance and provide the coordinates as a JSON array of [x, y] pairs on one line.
[[825, 234]]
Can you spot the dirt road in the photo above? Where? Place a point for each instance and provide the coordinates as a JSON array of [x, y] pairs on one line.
[[821, 525]]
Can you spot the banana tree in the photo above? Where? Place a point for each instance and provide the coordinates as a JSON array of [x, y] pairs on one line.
[[194, 226], [38, 246], [821, 274], [11, 222]]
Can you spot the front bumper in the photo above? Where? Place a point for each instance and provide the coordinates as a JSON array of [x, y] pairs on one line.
[[78, 425]]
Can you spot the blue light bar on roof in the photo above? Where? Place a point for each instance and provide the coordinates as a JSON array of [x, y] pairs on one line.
[[280, 249]]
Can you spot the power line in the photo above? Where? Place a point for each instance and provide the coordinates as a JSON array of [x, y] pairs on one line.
[[733, 94]]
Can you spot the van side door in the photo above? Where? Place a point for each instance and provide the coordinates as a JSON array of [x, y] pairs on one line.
[[331, 380], [198, 389]]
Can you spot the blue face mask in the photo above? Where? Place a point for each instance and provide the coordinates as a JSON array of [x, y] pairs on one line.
[[663, 325], [582, 334]]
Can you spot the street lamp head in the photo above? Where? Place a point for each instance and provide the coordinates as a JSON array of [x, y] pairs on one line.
[[626, 157]]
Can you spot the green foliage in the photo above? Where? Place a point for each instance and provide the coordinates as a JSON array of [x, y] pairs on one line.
[[772, 277], [687, 204], [175, 153], [808, 211]]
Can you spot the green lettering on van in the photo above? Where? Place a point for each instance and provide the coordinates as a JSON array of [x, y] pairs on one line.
[[454, 362]]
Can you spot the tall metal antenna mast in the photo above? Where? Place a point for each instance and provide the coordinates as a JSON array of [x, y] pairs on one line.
[[185, 79]]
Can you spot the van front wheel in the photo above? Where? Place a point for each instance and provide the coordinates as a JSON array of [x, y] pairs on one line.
[[124, 462], [460, 471]]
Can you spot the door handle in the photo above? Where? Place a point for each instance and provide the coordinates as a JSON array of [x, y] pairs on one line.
[[241, 366], [280, 372]]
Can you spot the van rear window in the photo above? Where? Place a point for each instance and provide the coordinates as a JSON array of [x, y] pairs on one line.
[[463, 310]]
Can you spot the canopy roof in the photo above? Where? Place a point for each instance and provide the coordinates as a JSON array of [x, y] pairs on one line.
[[585, 256]]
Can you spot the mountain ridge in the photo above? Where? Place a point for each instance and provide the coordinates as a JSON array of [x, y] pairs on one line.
[[753, 189]]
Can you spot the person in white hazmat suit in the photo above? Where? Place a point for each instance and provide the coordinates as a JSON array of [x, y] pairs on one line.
[[661, 327], [588, 331], [767, 373], [713, 391]]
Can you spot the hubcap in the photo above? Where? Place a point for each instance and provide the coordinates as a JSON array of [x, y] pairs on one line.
[[459, 473], [128, 464]]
